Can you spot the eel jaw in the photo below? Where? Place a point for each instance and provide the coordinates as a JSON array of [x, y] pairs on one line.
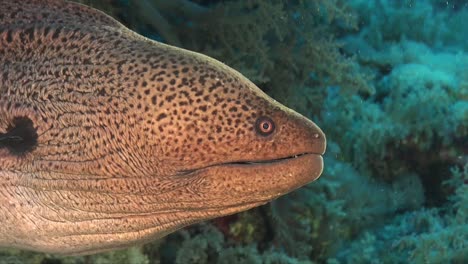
[[251, 182]]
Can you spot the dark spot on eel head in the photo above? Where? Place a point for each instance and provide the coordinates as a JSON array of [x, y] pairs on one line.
[[20, 138]]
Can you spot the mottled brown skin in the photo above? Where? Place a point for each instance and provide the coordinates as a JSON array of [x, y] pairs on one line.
[[136, 139]]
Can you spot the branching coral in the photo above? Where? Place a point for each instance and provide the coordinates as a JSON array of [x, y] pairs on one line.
[[282, 46], [134, 255], [388, 22], [415, 124], [422, 236], [420, 104], [319, 221]]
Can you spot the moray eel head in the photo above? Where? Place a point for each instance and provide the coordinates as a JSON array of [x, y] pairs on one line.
[[245, 148], [108, 139]]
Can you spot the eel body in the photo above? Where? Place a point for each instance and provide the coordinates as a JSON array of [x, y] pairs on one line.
[[108, 139]]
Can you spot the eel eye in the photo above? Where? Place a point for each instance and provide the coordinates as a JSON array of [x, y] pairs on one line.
[[264, 126]]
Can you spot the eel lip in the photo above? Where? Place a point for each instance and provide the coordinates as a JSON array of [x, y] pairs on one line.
[[249, 162]]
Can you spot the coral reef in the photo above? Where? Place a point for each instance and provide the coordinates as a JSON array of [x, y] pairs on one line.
[[436, 235], [392, 99], [134, 255]]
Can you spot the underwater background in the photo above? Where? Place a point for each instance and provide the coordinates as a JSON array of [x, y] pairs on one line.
[[387, 81]]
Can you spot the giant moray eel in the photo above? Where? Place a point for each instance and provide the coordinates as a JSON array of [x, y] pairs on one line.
[[108, 139]]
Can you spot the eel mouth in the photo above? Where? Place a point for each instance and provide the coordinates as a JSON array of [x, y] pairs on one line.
[[249, 163], [269, 161]]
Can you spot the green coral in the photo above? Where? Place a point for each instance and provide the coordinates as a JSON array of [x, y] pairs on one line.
[[133, 255], [387, 22], [207, 245], [248, 228], [392, 146], [420, 104], [340, 205], [281, 46], [422, 236], [200, 248]]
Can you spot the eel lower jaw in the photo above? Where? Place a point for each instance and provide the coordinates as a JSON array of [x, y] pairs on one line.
[[255, 181]]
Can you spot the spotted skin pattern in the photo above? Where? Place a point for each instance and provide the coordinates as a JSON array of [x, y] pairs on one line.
[[133, 139]]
